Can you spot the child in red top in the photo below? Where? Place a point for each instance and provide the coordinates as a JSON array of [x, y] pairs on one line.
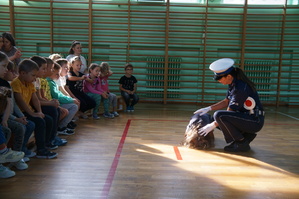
[[104, 75]]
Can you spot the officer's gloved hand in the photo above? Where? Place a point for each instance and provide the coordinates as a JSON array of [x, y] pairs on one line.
[[206, 129], [203, 111]]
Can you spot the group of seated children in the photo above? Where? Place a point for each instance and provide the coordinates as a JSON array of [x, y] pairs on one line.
[[47, 96]]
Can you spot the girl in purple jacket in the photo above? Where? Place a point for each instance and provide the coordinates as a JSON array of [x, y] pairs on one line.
[[94, 90]]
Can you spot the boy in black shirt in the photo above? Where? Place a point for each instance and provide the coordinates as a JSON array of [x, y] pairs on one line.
[[128, 87]]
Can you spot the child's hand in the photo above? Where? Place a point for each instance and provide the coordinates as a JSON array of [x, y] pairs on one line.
[[89, 80], [38, 114], [130, 92], [104, 95], [22, 120], [55, 103], [77, 102], [4, 123], [17, 54]]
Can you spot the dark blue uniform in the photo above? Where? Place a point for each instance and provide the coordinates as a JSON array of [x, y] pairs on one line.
[[234, 124]]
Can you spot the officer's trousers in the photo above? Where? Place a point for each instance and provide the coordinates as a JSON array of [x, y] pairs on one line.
[[234, 124]]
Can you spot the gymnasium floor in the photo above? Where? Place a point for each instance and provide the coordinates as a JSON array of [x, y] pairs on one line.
[[138, 156]]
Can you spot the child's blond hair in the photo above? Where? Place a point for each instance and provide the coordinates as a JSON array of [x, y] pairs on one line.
[[73, 59], [55, 56], [104, 67]]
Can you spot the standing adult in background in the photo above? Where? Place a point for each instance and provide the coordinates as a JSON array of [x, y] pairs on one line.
[[10, 49], [76, 50], [244, 114]]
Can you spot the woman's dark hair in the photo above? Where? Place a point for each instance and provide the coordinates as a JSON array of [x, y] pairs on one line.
[[239, 74], [74, 43], [9, 37]]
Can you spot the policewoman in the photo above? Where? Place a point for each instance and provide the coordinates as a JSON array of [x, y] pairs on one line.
[[244, 114]]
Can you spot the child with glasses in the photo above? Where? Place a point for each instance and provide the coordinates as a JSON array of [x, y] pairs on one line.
[[128, 87]]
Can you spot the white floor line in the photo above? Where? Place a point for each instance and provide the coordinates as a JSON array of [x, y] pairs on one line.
[[288, 115]]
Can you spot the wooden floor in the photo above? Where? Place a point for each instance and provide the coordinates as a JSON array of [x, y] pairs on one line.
[[138, 156]]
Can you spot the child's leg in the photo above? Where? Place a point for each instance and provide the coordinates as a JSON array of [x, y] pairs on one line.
[[113, 101], [39, 131], [72, 109], [54, 114], [97, 99], [63, 113], [81, 107], [30, 126], [2, 139], [18, 129], [106, 105], [135, 99], [126, 97], [6, 132], [50, 131], [86, 102], [107, 114]]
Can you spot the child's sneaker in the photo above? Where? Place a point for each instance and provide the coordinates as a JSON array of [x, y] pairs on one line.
[[95, 116], [51, 146], [115, 114], [128, 109], [84, 116], [108, 115], [45, 154], [6, 172], [11, 156], [75, 119], [132, 108], [65, 131], [71, 125], [20, 165], [59, 141], [28, 153]]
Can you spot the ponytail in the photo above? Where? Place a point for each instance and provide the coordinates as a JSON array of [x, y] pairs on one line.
[[239, 74]]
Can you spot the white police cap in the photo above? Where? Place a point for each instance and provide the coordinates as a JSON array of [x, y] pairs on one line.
[[222, 67]]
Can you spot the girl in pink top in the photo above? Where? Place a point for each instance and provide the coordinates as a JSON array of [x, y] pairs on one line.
[[94, 90], [104, 75]]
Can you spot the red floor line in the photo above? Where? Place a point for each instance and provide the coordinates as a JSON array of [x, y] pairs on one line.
[[163, 120], [111, 174], [177, 153]]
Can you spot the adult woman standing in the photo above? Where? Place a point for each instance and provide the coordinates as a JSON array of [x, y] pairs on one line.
[[10, 49], [76, 50], [240, 121]]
